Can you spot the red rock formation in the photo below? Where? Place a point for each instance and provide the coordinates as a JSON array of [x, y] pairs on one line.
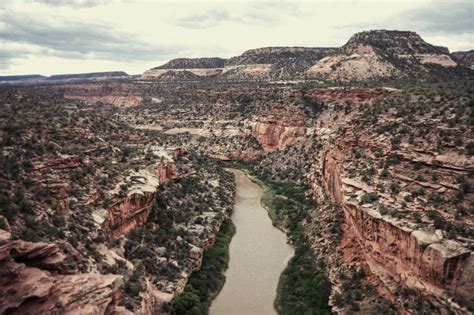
[[129, 213], [246, 155], [396, 251], [166, 171], [279, 128], [132, 211], [34, 279], [117, 94], [53, 181]]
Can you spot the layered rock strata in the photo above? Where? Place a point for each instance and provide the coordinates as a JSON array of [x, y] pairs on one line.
[[35, 279]]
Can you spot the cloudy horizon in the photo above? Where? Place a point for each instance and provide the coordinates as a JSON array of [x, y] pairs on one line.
[[59, 36]]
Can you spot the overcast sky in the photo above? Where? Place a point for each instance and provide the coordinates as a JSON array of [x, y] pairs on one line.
[[74, 36]]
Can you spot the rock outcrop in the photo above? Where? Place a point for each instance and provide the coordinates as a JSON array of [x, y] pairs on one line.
[[465, 58], [395, 251], [36, 279], [139, 188], [273, 62], [279, 128], [110, 93], [135, 196], [197, 66], [384, 54]]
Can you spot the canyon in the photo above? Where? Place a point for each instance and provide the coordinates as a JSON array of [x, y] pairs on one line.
[[113, 188]]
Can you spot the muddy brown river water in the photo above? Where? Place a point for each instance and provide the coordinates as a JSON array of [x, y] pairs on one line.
[[258, 255]]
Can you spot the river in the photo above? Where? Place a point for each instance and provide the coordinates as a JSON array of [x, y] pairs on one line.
[[258, 255]]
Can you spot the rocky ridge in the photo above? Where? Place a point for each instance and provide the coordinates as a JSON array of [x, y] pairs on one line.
[[197, 66], [384, 54], [273, 62], [36, 278], [464, 57]]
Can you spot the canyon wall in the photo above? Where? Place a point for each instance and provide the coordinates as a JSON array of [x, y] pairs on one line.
[[35, 278], [398, 252], [279, 128], [132, 211]]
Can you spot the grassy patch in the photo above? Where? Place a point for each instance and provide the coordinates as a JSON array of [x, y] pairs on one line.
[[302, 289], [205, 284]]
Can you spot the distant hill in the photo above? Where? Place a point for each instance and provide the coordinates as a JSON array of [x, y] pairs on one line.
[[274, 62], [17, 78], [193, 63], [385, 54], [465, 58], [369, 55], [204, 67], [177, 76], [92, 75], [59, 78]]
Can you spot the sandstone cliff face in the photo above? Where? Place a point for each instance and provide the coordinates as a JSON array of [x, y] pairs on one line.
[[35, 279], [111, 93], [383, 54], [398, 252], [133, 210], [279, 128], [273, 62], [394, 251], [52, 173]]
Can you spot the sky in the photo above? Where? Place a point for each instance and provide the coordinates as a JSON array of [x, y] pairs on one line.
[[77, 36]]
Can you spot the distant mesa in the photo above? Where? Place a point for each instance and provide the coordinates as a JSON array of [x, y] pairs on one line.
[[193, 63], [198, 66], [369, 55], [92, 75], [178, 75], [385, 54], [15, 78], [274, 62], [268, 62], [59, 78]]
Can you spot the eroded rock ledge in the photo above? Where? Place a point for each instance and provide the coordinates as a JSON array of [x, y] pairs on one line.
[[35, 279], [138, 191], [398, 252]]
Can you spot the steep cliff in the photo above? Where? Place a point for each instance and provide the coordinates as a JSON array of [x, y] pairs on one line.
[[36, 278], [110, 93], [398, 197], [279, 128], [139, 192], [273, 62], [385, 54], [193, 67], [395, 250]]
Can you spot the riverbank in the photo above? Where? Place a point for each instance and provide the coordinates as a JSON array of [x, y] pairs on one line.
[[272, 199], [303, 286], [204, 285], [259, 254]]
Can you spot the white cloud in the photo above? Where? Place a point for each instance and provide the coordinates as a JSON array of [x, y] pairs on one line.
[[59, 36]]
